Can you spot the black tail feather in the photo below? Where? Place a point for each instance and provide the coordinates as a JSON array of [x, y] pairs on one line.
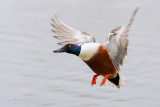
[[115, 80]]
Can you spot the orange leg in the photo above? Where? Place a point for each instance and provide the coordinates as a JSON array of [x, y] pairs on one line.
[[94, 79], [104, 79]]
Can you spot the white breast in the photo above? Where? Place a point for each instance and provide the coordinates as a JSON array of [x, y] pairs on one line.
[[88, 50]]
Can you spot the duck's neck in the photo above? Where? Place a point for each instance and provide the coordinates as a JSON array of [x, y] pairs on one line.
[[88, 50]]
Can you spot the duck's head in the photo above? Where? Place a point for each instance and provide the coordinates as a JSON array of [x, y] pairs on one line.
[[69, 48]]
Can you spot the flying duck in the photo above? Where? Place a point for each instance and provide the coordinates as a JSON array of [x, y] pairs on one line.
[[104, 59]]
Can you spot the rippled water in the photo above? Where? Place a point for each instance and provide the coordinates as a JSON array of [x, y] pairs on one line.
[[32, 75]]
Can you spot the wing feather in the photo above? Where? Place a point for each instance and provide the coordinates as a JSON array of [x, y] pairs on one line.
[[117, 43], [68, 34]]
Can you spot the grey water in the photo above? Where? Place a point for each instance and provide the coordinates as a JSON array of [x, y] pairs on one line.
[[31, 75]]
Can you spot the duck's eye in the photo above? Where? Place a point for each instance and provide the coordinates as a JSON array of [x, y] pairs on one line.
[[69, 46]]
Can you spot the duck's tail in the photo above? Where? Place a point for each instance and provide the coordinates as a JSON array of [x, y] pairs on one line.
[[117, 81]]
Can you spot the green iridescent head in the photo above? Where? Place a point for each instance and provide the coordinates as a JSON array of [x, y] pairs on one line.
[[69, 48]]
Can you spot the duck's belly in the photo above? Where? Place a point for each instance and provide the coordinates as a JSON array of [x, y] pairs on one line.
[[101, 63]]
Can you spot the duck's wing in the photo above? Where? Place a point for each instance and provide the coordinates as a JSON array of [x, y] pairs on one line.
[[68, 34], [117, 42]]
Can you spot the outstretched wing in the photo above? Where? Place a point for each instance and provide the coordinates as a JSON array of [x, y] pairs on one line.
[[68, 34], [117, 42]]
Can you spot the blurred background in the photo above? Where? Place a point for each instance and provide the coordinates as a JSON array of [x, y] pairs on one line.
[[32, 75]]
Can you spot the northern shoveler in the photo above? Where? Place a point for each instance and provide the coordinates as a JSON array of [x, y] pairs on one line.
[[104, 59]]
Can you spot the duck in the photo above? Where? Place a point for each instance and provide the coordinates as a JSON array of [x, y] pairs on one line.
[[103, 59]]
